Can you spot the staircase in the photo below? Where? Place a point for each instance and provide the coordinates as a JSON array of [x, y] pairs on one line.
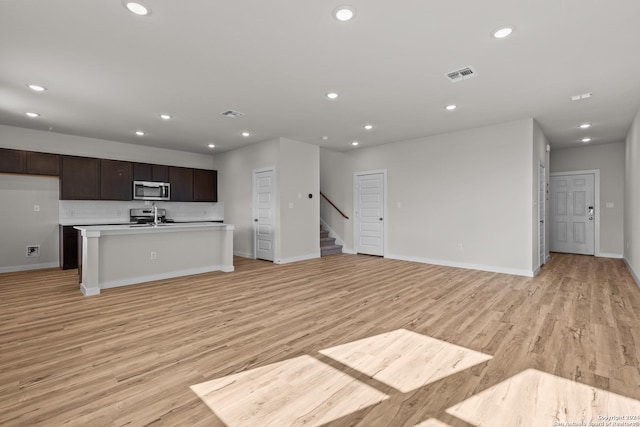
[[328, 244]]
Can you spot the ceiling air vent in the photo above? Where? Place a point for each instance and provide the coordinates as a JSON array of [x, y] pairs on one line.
[[461, 74], [230, 114]]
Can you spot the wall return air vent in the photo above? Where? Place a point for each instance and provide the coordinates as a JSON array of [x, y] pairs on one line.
[[461, 74], [230, 114]]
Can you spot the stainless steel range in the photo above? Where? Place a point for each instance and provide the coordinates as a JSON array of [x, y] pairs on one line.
[[147, 215]]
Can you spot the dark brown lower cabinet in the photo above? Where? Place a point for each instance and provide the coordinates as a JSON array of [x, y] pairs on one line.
[[68, 247]]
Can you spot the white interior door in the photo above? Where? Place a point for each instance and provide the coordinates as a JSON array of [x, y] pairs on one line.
[[263, 190], [369, 218], [573, 214]]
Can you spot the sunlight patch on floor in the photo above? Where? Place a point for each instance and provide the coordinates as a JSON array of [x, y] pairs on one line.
[[533, 398], [299, 391], [405, 360]]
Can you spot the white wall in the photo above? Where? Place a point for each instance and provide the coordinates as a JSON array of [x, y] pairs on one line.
[[299, 215], [20, 225], [472, 188], [632, 199], [235, 189], [297, 174], [609, 159], [57, 143]]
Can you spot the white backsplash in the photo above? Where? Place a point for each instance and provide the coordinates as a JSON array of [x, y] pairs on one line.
[[83, 212]]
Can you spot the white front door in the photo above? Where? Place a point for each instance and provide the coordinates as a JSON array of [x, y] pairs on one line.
[[369, 218], [263, 211], [572, 214]]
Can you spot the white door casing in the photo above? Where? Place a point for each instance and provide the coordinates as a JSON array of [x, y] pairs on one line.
[[264, 213], [573, 213], [542, 198], [369, 218]]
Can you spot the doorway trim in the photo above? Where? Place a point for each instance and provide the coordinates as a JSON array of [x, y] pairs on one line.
[[542, 219], [596, 196], [356, 208], [254, 212]]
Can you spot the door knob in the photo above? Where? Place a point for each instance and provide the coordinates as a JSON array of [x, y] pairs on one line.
[[255, 220], [380, 219]]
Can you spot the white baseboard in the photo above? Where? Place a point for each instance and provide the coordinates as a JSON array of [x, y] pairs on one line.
[[162, 276], [243, 254], [606, 255], [332, 233], [298, 258], [547, 259], [89, 292], [348, 251], [633, 273], [27, 267], [490, 268]]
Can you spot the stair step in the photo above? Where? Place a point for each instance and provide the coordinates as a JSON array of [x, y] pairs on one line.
[[327, 241], [324, 233], [331, 250]]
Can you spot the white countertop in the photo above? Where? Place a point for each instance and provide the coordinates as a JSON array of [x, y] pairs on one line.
[[98, 230]]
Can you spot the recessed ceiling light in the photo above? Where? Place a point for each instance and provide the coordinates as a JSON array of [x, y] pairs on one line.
[[37, 88], [137, 8], [355, 143], [585, 125], [32, 115], [344, 13], [332, 95], [503, 32], [586, 139], [368, 127], [450, 107], [212, 145], [165, 116], [140, 133], [246, 134], [324, 138]]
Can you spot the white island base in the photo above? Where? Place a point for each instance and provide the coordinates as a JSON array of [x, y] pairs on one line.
[[119, 255]]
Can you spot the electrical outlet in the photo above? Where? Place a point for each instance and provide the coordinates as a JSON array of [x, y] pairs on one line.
[[609, 205], [290, 205], [459, 246], [36, 208], [154, 255]]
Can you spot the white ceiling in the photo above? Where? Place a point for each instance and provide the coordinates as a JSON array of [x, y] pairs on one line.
[[110, 73]]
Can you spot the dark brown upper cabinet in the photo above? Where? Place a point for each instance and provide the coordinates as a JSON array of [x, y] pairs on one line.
[[205, 185], [116, 180], [148, 172], [12, 161], [43, 164], [181, 180], [80, 178]]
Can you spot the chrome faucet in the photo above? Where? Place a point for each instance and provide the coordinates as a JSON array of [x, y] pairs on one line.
[[155, 213]]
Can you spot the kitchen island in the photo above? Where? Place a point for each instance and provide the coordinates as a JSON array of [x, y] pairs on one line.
[[119, 255]]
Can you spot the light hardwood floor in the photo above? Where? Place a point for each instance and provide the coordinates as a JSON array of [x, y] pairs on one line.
[[131, 355]]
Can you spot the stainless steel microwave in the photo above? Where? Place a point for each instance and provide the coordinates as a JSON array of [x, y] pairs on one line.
[[146, 190]]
